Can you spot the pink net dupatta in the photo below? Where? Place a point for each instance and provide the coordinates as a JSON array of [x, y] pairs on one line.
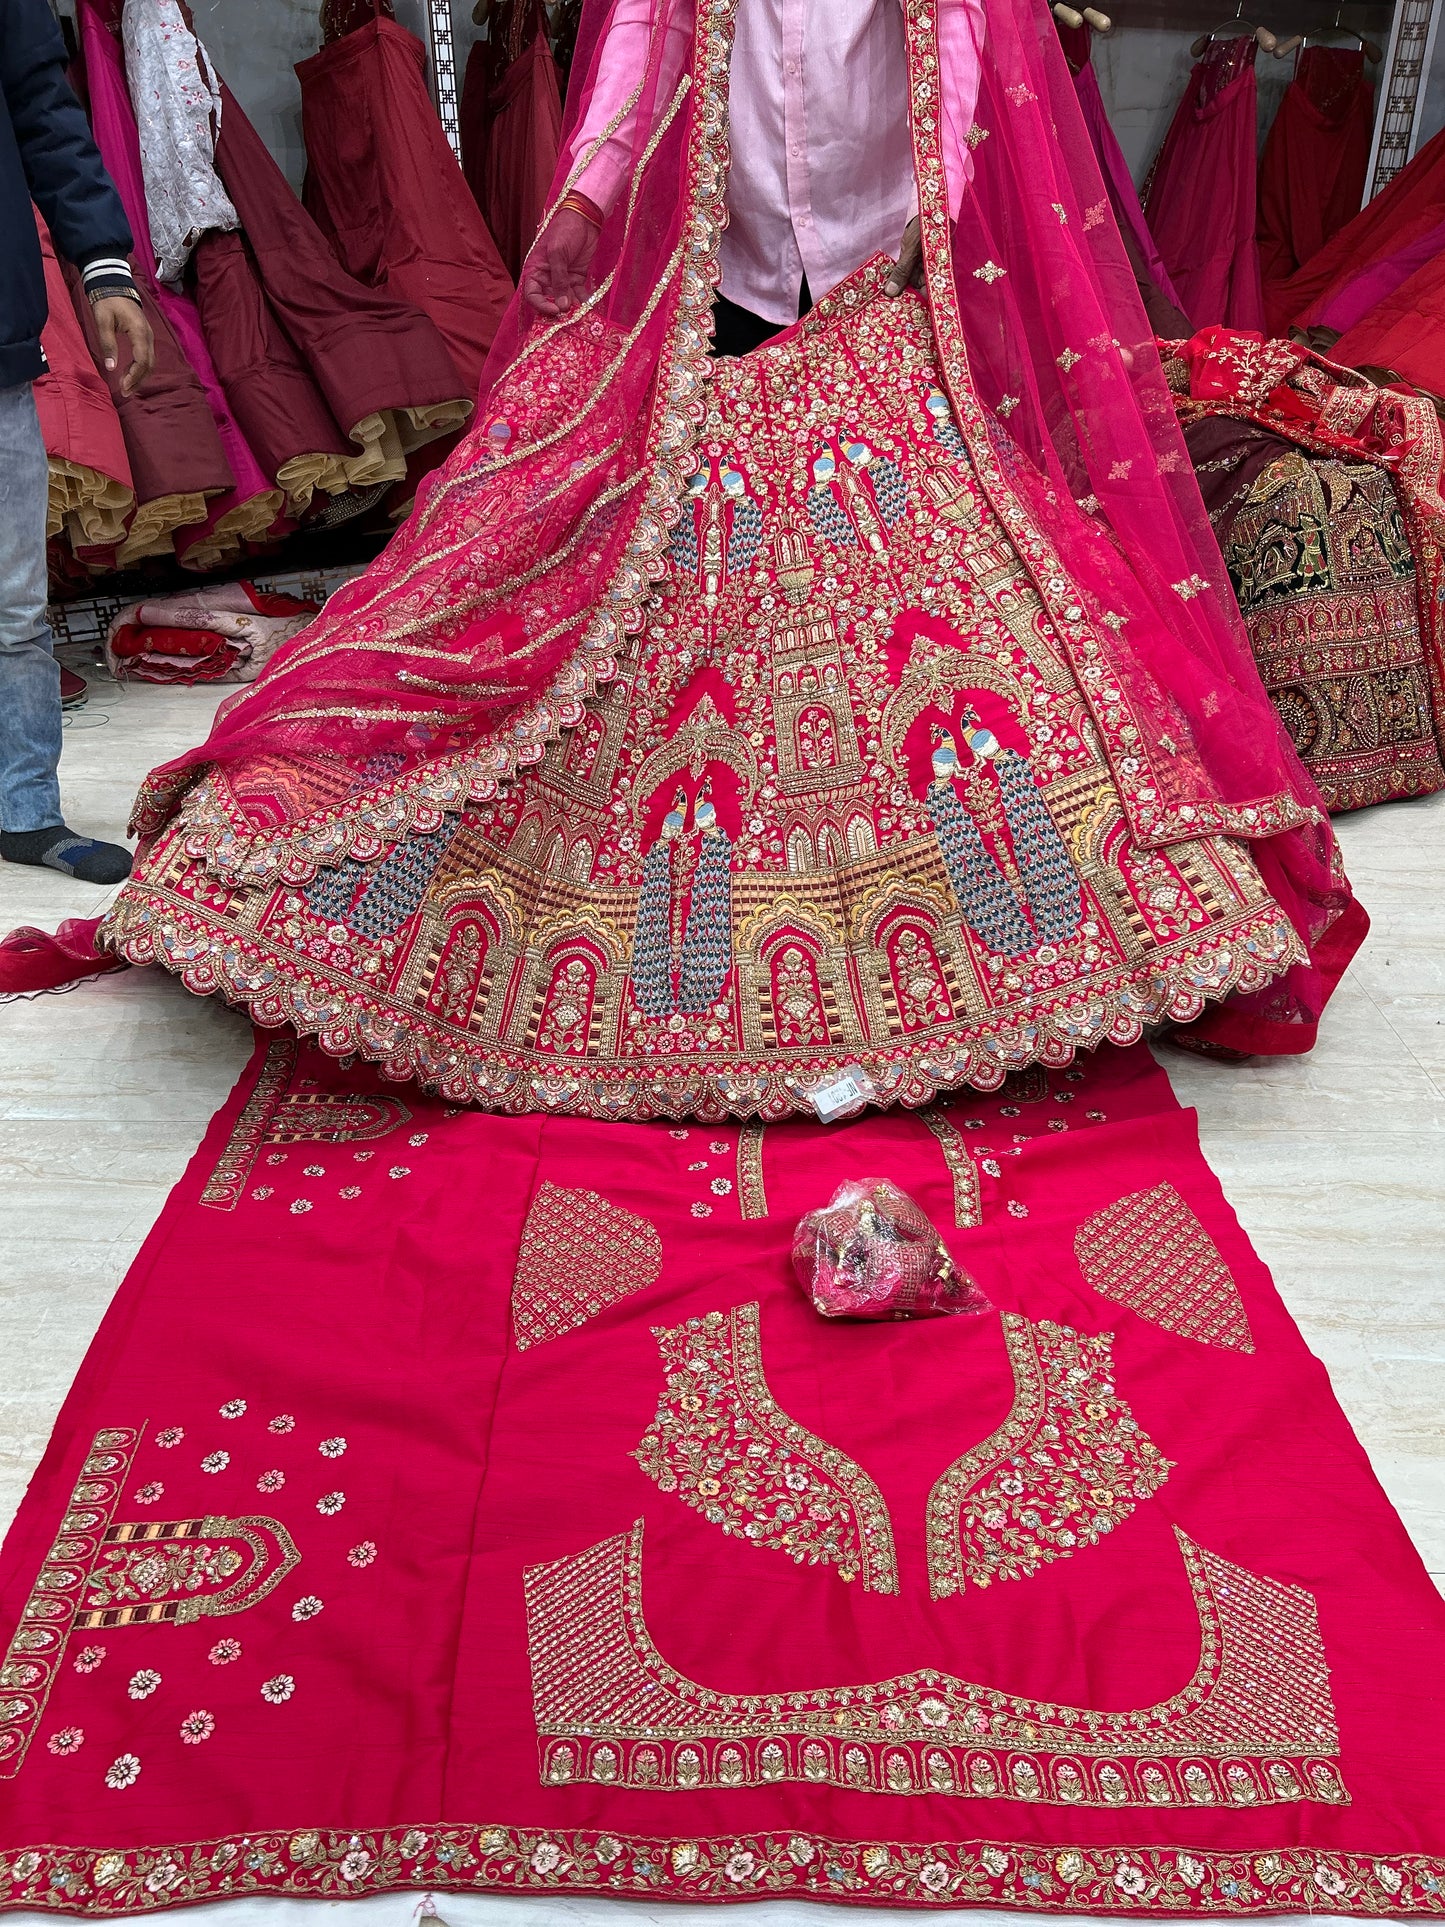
[[501, 604], [1058, 389], [504, 601]]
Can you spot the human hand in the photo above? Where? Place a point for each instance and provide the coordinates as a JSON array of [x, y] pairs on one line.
[[119, 315], [907, 271], [554, 280]]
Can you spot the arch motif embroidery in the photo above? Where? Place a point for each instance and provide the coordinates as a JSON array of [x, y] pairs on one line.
[[1150, 1252], [1067, 1465], [1254, 1726], [276, 1114], [104, 1573], [579, 1254], [723, 1444]]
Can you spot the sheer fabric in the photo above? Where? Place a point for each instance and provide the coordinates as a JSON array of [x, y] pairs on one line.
[[500, 607]]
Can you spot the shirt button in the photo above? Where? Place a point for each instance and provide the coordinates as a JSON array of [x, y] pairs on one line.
[[792, 66]]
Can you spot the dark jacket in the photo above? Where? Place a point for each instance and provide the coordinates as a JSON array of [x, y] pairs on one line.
[[46, 152]]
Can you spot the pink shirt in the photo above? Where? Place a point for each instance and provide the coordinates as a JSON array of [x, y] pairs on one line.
[[822, 162]]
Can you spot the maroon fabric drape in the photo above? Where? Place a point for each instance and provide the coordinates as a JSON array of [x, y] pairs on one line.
[[170, 432], [1312, 174], [281, 410], [386, 187], [1201, 204], [511, 123], [365, 348]]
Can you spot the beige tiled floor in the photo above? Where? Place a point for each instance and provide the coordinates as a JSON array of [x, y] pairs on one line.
[[1335, 1162]]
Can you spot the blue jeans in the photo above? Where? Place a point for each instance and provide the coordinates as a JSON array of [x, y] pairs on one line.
[[29, 673]]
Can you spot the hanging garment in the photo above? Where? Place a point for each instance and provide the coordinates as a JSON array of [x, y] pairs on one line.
[[1397, 217], [178, 466], [91, 491], [1156, 291], [1201, 199], [511, 122], [1403, 335], [383, 370], [1325, 495], [1312, 173], [177, 102], [386, 187], [825, 592], [247, 511]]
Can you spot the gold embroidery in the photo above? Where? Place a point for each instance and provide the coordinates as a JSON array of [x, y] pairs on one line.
[[1067, 1465], [273, 1114], [579, 1255], [752, 1193], [102, 1574], [724, 1445], [967, 1205], [1148, 1251], [342, 1863], [1254, 1726]]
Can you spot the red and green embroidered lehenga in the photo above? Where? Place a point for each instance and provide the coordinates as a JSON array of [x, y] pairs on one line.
[[872, 703]]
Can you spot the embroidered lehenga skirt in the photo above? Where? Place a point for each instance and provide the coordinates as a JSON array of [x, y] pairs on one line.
[[845, 805]]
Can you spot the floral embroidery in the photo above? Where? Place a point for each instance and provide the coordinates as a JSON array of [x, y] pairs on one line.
[[752, 1192], [88, 1658], [224, 1652], [1150, 1252], [1017, 1875], [143, 1684], [215, 1461], [276, 1114], [330, 1503], [68, 1740], [306, 1608], [399, 1171], [701, 1210], [150, 1493], [332, 1448], [579, 1254], [967, 1205], [1254, 1726], [362, 1555], [199, 1567], [417, 1139], [196, 1727], [300, 1205], [171, 1436], [283, 1422], [123, 1772], [271, 1481], [723, 1444], [719, 1148], [721, 1187], [233, 1408], [1067, 1465], [278, 1689]]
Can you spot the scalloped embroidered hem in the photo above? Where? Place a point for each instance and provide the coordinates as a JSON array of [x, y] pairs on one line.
[[336, 1863], [277, 986]]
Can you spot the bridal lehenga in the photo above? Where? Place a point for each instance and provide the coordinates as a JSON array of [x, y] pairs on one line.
[[918, 755]]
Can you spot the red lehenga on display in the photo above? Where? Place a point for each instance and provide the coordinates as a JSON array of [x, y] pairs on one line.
[[875, 704], [1202, 199], [1312, 171]]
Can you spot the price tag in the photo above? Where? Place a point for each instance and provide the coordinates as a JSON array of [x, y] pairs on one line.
[[845, 1091]]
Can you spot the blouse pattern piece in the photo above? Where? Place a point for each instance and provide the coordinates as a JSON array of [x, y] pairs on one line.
[[1067, 1465], [579, 1254], [724, 1445], [1150, 1252], [1253, 1726], [177, 100]]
